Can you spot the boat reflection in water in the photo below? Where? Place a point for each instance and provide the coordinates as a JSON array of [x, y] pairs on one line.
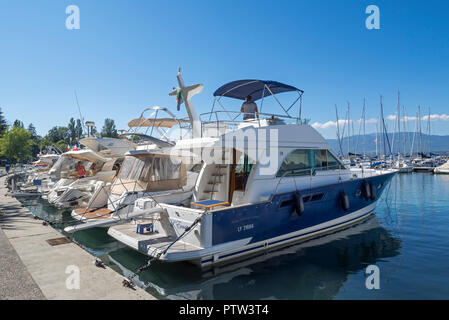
[[313, 269]]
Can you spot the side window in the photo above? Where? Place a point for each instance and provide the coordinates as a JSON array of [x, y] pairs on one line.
[[297, 163], [144, 175], [332, 162], [320, 159]]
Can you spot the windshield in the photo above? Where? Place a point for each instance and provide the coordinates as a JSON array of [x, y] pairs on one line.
[[150, 169]]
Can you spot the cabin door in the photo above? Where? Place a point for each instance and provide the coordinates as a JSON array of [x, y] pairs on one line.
[[240, 171], [232, 175]]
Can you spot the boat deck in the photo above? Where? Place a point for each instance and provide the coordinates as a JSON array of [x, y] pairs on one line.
[[423, 168], [148, 243], [93, 213]]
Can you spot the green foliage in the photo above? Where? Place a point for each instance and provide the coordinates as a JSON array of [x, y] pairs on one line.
[[3, 124], [57, 134], [32, 130], [109, 129], [18, 124], [79, 129], [75, 130], [72, 131], [35, 140], [23, 144], [61, 145], [16, 144]]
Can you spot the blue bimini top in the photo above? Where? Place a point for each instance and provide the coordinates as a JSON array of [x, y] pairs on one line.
[[257, 89]]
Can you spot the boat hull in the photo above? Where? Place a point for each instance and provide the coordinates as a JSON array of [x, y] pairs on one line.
[[405, 169], [277, 223], [244, 230]]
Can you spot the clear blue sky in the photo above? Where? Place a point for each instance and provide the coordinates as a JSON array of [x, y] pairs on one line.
[[126, 54]]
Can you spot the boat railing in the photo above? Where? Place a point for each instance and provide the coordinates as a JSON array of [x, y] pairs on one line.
[[337, 171], [223, 121]]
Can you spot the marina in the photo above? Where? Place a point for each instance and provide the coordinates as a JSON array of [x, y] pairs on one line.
[[207, 158], [157, 208], [405, 237]]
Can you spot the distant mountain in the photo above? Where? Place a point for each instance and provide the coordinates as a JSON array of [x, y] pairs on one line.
[[367, 143]]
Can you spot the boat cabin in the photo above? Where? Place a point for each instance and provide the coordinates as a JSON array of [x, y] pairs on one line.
[[246, 161]]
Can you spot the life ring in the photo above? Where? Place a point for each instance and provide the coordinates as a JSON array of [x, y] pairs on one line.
[[299, 204], [344, 200]]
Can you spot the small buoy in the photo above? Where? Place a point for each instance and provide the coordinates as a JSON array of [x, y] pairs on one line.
[[366, 189], [299, 204], [344, 200], [373, 191]]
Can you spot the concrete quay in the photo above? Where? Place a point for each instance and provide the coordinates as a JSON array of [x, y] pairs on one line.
[[31, 268]]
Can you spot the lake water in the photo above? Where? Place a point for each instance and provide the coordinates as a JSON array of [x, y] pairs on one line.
[[407, 238]]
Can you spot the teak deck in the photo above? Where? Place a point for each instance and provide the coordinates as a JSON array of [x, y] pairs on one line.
[[86, 213]]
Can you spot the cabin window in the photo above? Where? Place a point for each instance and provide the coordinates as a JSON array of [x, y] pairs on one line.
[[131, 168], [165, 169], [146, 170], [66, 163], [320, 159], [297, 163], [301, 161], [332, 162], [134, 172]]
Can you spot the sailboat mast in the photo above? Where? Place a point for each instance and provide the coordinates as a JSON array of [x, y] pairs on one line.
[[364, 129], [414, 135], [399, 129], [406, 132], [377, 136], [419, 130], [360, 128], [349, 129], [338, 132], [428, 133], [382, 124], [385, 132]]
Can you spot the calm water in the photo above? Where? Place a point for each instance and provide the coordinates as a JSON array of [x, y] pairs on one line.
[[407, 238]]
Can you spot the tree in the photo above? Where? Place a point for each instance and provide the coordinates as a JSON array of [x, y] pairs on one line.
[[79, 129], [18, 124], [32, 130], [35, 140], [72, 131], [61, 145], [57, 134], [16, 144], [109, 129], [3, 124]]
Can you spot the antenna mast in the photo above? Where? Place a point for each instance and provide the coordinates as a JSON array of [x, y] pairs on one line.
[[79, 110]]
